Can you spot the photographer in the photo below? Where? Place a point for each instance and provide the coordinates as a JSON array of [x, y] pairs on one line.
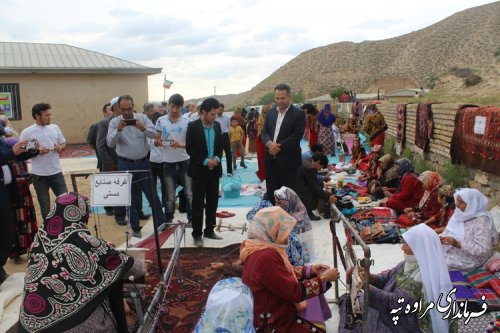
[[128, 133]]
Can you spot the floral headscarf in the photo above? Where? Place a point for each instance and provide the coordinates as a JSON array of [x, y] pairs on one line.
[[404, 166], [270, 229], [70, 272], [229, 308], [290, 202], [430, 180]]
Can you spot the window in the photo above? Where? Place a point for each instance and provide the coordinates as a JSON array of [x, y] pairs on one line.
[[10, 100]]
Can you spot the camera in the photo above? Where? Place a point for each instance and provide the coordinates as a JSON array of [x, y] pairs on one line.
[[130, 122], [30, 145]]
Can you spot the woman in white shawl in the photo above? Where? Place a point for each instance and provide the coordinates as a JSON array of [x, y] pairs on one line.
[[470, 236], [422, 276]]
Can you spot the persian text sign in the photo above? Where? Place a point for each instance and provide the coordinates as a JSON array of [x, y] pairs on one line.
[[111, 189]]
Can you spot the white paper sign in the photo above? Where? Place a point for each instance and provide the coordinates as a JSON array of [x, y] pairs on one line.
[[398, 149], [110, 189], [479, 125]]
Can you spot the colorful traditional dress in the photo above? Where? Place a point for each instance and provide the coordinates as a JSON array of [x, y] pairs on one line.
[[326, 119], [25, 224]]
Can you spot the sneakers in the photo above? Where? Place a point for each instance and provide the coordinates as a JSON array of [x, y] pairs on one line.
[[212, 236], [137, 233], [198, 241]]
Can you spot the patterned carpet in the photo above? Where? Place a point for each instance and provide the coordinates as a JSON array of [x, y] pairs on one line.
[[189, 287], [77, 151]]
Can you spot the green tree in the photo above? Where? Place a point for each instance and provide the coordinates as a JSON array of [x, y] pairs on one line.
[[267, 99], [298, 97], [335, 93]]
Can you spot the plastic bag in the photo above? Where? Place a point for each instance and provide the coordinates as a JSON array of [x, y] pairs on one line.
[[231, 186]]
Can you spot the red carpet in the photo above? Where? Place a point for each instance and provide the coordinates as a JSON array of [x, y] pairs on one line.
[[189, 287], [76, 151], [149, 243]]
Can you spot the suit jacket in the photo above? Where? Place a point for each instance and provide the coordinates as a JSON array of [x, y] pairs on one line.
[[196, 147], [291, 132], [108, 157], [7, 155], [308, 187]]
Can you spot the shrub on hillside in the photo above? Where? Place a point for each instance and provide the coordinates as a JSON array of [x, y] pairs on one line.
[[472, 80]]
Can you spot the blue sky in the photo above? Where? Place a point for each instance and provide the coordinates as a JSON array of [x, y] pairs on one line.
[[232, 45]]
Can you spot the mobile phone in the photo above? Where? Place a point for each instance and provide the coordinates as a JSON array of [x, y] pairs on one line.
[[130, 122], [30, 145]]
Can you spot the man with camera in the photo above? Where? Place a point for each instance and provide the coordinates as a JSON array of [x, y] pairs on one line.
[[46, 167], [128, 133], [172, 129]]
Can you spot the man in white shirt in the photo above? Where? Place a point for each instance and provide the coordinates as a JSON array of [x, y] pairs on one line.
[[46, 167], [225, 123], [172, 129], [284, 127]]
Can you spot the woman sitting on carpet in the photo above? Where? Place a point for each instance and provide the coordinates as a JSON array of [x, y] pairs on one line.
[[278, 288], [229, 308], [422, 276], [429, 208], [287, 199], [370, 165], [358, 153], [388, 172], [470, 236], [447, 201], [410, 189], [70, 269]]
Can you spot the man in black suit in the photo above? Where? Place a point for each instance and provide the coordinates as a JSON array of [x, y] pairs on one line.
[[283, 129], [9, 196], [204, 147]]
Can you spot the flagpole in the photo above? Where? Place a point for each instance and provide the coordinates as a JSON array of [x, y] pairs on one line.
[[164, 90], [164, 78]]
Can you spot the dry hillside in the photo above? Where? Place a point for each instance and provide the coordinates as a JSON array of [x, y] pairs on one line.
[[446, 53]]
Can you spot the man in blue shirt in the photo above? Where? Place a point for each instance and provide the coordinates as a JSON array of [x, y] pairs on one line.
[[204, 147]]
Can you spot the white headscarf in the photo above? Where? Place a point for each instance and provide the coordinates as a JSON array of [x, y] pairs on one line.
[[426, 247], [229, 308], [477, 205]]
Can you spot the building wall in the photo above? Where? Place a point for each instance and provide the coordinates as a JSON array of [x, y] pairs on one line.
[[439, 145], [76, 99]]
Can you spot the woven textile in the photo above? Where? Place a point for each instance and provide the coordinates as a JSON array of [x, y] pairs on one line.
[[423, 127]]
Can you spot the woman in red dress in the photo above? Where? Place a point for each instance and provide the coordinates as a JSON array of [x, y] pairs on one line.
[[410, 189], [259, 144], [312, 129]]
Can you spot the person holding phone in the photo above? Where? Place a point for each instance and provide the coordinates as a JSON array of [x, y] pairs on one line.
[[128, 132], [46, 167]]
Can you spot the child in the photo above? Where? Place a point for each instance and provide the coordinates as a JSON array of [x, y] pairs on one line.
[[236, 135]]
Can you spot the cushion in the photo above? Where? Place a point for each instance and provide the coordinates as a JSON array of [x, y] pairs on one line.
[[481, 278]]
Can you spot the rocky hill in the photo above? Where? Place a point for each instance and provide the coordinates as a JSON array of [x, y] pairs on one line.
[[459, 56]]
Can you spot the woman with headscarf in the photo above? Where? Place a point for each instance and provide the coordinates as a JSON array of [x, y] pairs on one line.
[[279, 289], [311, 124], [429, 208], [73, 280], [375, 125], [229, 308], [259, 144], [251, 131], [372, 164], [422, 276], [445, 198], [24, 216], [287, 199], [326, 119], [358, 153], [410, 189], [388, 171], [470, 236]]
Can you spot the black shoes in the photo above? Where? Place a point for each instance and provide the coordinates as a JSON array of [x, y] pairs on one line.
[[120, 221], [143, 216], [110, 212], [198, 241], [313, 217], [212, 236], [243, 165]]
